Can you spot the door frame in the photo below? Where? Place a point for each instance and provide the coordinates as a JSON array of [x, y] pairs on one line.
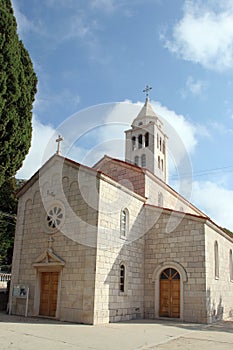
[[39, 272], [156, 279]]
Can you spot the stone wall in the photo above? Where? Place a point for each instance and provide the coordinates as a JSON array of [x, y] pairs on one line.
[[176, 241], [73, 243], [113, 250], [219, 287]]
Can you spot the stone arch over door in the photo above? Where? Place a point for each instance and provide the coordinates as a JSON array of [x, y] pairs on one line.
[[156, 279]]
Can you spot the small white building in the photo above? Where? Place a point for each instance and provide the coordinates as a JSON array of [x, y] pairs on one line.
[[115, 242]]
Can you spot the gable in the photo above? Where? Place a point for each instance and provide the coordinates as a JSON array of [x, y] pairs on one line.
[[48, 258]]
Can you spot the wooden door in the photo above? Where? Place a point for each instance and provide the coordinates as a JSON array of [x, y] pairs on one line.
[[48, 293], [169, 294]]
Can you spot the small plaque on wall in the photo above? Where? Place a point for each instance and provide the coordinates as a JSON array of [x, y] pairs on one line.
[[20, 291]]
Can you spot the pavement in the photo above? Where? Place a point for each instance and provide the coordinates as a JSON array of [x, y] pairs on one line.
[[22, 333]]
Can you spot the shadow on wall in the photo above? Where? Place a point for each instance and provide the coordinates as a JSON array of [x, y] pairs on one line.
[[215, 310]]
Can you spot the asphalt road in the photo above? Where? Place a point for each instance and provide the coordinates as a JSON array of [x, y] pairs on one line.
[[35, 333]]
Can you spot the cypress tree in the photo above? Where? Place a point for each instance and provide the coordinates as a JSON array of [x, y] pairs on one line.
[[17, 92], [8, 208]]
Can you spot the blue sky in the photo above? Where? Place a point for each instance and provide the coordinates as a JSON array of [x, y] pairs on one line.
[[99, 52]]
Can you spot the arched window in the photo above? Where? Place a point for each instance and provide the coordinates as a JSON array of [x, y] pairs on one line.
[[143, 160], [136, 160], [146, 139], [216, 260], [159, 162], [231, 265], [162, 164], [140, 141], [122, 278], [133, 143], [160, 199], [124, 222], [157, 140], [160, 144], [164, 147]]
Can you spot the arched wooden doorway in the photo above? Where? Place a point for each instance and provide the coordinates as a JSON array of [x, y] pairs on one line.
[[169, 304]]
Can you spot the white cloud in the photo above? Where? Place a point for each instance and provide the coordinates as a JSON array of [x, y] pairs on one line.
[[24, 25], [221, 128], [219, 210], [106, 5], [205, 34], [41, 135], [182, 127], [193, 87]]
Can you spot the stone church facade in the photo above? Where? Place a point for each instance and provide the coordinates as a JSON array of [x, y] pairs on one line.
[[115, 242]]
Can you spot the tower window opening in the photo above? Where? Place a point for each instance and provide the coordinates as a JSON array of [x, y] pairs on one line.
[[136, 160], [160, 144], [133, 143], [147, 139], [159, 162], [164, 147], [140, 141], [157, 140], [143, 160]]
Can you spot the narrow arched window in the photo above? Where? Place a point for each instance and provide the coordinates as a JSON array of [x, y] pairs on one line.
[[231, 265], [216, 260], [162, 164], [133, 143], [124, 222], [146, 139], [122, 278], [157, 140], [143, 160], [164, 147], [160, 144], [159, 162], [140, 141], [136, 160]]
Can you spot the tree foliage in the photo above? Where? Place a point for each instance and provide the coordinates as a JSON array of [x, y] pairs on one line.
[[8, 207], [8, 212], [17, 92], [228, 232]]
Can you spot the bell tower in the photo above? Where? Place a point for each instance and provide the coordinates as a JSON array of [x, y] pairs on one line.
[[146, 142]]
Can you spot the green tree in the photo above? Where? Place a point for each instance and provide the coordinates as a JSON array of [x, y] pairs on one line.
[[8, 207], [8, 211], [17, 92]]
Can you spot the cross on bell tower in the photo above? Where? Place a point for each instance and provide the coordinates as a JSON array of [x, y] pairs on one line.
[[147, 90]]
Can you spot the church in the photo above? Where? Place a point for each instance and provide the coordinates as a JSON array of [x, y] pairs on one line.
[[115, 242]]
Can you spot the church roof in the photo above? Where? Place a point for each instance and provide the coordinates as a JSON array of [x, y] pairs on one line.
[[146, 115]]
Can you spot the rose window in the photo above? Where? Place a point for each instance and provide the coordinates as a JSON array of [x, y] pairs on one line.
[[54, 217]]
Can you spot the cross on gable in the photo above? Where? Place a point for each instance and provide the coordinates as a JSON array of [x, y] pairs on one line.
[[59, 140]]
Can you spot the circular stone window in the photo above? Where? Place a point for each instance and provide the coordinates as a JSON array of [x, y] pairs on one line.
[[55, 217]]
